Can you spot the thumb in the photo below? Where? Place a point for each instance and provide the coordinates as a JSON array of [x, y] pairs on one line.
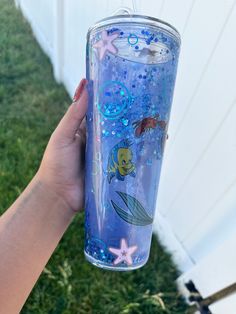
[[72, 119]]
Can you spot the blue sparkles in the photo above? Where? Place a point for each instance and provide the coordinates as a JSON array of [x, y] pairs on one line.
[[125, 121]]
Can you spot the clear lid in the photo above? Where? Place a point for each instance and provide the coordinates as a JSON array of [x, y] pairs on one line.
[[136, 19]]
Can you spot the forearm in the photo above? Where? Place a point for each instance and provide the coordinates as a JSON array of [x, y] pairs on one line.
[[29, 232]]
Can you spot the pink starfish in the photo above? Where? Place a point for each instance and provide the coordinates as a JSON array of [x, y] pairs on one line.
[[124, 253], [105, 44]]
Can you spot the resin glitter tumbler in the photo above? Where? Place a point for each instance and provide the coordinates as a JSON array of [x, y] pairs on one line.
[[131, 70]]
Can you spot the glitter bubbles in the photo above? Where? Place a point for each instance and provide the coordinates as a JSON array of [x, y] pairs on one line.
[[98, 249], [113, 99]]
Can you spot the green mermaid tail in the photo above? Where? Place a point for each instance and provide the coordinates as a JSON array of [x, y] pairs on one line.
[[138, 216]]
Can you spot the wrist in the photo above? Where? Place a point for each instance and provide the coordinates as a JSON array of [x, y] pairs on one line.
[[29, 232], [49, 196]]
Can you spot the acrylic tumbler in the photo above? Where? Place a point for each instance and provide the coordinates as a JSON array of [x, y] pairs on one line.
[[131, 69]]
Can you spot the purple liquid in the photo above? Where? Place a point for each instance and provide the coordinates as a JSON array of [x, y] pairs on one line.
[[131, 70]]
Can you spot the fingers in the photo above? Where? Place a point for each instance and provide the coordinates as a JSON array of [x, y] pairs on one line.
[[79, 90], [83, 127], [72, 119]]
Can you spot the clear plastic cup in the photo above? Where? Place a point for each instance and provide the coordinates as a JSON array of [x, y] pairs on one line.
[[131, 69]]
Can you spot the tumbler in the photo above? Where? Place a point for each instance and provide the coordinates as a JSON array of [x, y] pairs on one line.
[[131, 63]]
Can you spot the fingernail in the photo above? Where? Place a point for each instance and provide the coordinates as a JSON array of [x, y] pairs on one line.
[[79, 90]]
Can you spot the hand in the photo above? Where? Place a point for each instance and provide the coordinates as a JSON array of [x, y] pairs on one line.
[[62, 167]]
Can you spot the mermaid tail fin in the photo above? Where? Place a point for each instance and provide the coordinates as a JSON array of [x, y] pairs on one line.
[[137, 216]]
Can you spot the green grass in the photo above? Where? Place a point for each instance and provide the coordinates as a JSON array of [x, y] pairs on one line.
[[31, 104]]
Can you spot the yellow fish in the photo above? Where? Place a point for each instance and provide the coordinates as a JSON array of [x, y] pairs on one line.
[[120, 161]]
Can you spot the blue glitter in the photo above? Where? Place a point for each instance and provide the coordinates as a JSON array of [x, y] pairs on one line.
[[112, 30], [125, 121], [98, 249], [125, 90], [121, 99]]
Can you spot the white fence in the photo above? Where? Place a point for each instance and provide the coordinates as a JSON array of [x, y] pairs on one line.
[[196, 217]]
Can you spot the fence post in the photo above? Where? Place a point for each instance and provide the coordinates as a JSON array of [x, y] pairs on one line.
[[58, 39], [17, 3]]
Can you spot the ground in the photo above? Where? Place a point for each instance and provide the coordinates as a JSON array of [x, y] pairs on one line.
[[31, 104]]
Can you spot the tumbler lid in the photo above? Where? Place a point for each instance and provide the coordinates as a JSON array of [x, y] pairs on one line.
[[136, 19]]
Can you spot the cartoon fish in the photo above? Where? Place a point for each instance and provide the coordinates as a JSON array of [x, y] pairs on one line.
[[147, 124], [120, 161]]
